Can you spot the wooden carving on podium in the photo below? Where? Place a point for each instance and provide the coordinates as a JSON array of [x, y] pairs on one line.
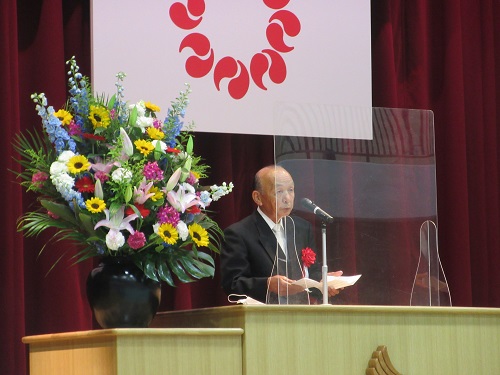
[[380, 363]]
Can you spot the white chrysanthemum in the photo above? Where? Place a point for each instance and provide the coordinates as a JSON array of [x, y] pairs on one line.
[[144, 122], [121, 175], [57, 168], [114, 240], [65, 156], [183, 230]]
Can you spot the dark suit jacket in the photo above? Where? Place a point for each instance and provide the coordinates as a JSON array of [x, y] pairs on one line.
[[248, 256]]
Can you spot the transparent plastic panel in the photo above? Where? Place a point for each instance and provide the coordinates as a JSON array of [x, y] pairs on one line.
[[430, 287], [381, 194]]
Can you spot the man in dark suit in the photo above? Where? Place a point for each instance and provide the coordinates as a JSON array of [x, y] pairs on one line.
[[261, 255]]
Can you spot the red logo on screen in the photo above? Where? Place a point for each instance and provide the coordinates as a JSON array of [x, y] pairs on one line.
[[268, 61]]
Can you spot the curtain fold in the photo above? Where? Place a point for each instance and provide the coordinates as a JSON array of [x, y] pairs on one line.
[[442, 56], [12, 299]]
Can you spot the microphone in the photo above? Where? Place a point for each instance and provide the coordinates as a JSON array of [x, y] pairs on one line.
[[311, 206]]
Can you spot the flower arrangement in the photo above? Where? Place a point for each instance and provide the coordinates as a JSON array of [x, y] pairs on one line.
[[116, 180]]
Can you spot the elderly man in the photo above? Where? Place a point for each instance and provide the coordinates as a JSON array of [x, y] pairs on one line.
[[261, 256]]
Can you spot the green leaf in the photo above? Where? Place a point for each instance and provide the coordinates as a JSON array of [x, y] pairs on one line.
[[179, 271], [208, 270], [189, 145], [63, 211], [150, 270], [190, 267], [87, 224], [111, 102], [207, 258], [165, 274], [133, 116]]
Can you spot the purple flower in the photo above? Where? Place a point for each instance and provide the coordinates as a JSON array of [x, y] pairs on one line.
[[168, 214], [153, 172]]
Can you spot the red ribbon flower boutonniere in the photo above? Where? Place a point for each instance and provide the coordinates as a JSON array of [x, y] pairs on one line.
[[308, 257]]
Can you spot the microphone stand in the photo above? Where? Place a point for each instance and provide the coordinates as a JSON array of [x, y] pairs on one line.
[[324, 269]]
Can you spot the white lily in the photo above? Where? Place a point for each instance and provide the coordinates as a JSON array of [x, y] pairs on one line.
[[183, 198], [173, 180], [128, 147], [116, 224]]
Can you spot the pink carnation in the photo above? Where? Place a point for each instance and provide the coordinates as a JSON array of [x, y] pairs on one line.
[[39, 178], [136, 240]]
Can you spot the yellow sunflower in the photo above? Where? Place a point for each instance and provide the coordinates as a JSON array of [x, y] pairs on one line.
[[158, 194], [77, 164], [152, 107], [168, 233], [95, 205], [99, 116], [64, 116], [155, 133], [144, 147], [198, 234]]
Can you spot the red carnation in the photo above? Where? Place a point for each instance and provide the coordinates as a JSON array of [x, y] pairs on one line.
[[308, 257], [85, 185], [140, 207]]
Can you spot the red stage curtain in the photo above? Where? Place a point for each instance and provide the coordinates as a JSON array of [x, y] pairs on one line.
[[426, 54], [441, 56]]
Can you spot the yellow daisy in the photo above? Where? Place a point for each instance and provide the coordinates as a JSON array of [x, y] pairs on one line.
[[95, 205], [198, 234], [168, 233], [157, 193], [77, 164], [99, 116], [64, 116], [152, 107], [155, 133], [144, 147]]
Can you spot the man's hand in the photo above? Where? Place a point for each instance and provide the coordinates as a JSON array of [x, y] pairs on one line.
[[282, 286], [332, 291]]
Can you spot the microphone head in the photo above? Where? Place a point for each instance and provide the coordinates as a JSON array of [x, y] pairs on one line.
[[307, 203]]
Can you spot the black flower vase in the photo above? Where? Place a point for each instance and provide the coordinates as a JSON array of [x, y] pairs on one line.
[[121, 295]]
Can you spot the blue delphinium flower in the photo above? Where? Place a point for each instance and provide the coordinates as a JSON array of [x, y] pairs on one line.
[[58, 136]]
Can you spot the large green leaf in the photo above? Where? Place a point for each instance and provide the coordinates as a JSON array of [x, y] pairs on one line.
[[191, 268], [207, 269], [165, 274], [207, 258], [61, 210], [87, 224], [150, 270], [179, 271]]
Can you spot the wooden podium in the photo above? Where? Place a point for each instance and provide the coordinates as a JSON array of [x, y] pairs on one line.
[[137, 352], [340, 340], [255, 340]]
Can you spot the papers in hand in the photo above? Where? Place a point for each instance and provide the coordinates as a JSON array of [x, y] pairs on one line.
[[336, 282]]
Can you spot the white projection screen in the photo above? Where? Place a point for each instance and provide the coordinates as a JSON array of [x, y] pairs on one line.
[[249, 63]]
